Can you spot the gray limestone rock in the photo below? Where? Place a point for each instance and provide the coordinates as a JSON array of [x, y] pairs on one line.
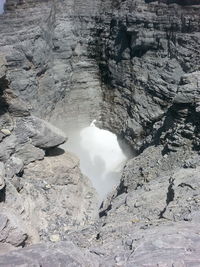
[[29, 153], [7, 147], [2, 176], [59, 254], [18, 107], [28, 134], [51, 196], [65, 198], [132, 65], [12, 230], [188, 90], [2, 66], [14, 166], [38, 132]]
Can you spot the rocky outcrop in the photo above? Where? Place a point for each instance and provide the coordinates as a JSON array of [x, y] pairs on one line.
[[124, 62], [144, 50], [153, 217], [160, 220], [133, 65], [167, 245], [65, 254], [158, 188], [41, 186], [48, 65], [12, 232], [52, 197]]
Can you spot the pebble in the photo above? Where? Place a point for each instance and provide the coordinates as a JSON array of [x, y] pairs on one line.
[[54, 238], [6, 132]]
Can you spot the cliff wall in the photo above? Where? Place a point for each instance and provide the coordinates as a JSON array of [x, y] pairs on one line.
[[132, 65]]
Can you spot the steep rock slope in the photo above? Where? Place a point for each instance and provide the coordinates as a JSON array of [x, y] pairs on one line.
[[48, 64], [135, 63], [149, 63], [131, 62], [33, 172]]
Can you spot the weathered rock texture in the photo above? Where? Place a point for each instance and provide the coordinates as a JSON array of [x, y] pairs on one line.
[[42, 191], [48, 65], [133, 65], [64, 254], [145, 49]]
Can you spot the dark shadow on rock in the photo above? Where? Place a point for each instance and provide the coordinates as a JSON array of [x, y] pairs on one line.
[[3, 195], [127, 149], [55, 151], [122, 41], [3, 86], [170, 197]]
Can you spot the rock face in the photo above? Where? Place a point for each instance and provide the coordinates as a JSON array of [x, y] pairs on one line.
[[64, 254], [153, 217], [143, 61], [130, 63], [133, 65], [48, 66], [41, 186]]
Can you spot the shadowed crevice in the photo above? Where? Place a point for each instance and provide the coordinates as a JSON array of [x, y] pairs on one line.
[[170, 197]]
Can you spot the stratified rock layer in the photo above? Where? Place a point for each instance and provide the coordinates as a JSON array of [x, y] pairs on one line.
[[131, 62], [42, 191], [145, 49], [133, 65]]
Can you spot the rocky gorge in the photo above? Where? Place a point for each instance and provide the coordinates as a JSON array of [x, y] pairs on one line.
[[134, 66]]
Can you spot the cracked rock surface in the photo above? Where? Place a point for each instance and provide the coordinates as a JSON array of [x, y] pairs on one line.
[[134, 66], [43, 193]]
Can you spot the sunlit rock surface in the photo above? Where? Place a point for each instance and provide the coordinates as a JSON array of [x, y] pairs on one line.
[[41, 186], [132, 65]]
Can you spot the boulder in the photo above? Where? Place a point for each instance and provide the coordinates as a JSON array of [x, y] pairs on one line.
[[14, 166], [38, 132], [29, 153], [12, 231], [188, 89], [50, 255]]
